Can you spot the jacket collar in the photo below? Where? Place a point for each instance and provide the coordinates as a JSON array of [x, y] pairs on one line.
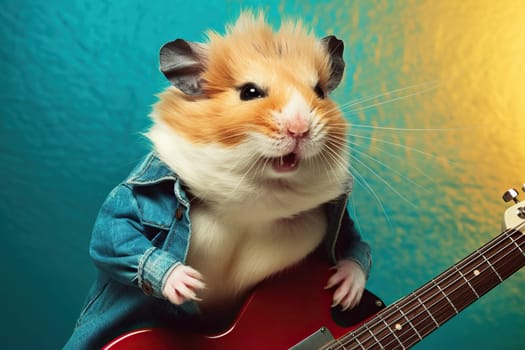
[[151, 171]]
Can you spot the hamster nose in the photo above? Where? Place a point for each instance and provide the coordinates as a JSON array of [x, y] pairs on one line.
[[298, 127]]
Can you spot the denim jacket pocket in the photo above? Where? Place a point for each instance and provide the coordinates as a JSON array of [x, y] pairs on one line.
[[157, 205]]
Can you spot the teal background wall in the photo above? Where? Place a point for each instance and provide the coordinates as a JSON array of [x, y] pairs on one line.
[[78, 78]]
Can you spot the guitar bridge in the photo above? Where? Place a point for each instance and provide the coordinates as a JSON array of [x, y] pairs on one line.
[[315, 340]]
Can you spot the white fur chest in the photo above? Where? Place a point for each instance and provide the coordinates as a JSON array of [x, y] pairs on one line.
[[234, 252]]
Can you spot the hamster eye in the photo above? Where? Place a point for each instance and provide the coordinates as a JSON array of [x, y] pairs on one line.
[[250, 91], [319, 91]]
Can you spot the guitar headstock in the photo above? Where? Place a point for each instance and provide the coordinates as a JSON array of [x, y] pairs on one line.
[[514, 216]]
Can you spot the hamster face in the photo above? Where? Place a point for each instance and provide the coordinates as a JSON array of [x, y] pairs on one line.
[[251, 109]]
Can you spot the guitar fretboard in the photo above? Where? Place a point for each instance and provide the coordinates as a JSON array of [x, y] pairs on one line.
[[410, 319]]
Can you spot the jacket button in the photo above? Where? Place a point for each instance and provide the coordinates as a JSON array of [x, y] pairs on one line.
[[147, 288], [179, 213]]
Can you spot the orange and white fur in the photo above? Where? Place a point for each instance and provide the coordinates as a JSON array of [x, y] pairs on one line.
[[248, 126]]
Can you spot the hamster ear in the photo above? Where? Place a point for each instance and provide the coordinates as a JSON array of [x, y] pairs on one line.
[[335, 49], [182, 62]]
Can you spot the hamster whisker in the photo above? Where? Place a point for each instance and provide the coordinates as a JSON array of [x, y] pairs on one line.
[[382, 179], [257, 164], [384, 165], [253, 164], [316, 164], [264, 164], [337, 157], [340, 139], [427, 86], [316, 128], [408, 148], [339, 126], [341, 129], [360, 180], [395, 156], [329, 159], [385, 102], [420, 89], [363, 126], [339, 142]]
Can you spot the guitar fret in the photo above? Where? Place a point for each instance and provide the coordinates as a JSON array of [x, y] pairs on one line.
[[438, 306], [516, 244], [358, 343], [408, 321], [342, 346], [466, 280], [426, 309], [481, 275], [392, 332], [374, 336], [380, 333], [446, 296], [490, 265], [397, 332], [508, 257]]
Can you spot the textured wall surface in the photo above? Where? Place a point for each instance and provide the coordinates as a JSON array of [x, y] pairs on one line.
[[434, 90]]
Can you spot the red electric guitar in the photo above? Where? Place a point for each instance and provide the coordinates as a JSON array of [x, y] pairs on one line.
[[292, 310]]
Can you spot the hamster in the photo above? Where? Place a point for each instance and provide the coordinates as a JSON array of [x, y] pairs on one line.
[[249, 127]]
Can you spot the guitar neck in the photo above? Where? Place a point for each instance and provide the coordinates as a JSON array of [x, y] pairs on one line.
[[409, 320]]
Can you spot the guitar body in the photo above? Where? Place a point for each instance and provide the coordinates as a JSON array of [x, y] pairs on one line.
[[279, 314]]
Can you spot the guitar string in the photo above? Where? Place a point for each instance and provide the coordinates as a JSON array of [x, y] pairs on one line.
[[515, 243], [461, 294], [495, 241], [411, 339], [440, 299], [365, 328], [430, 285]]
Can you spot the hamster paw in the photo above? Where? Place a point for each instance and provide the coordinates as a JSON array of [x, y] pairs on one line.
[[350, 280], [182, 284]]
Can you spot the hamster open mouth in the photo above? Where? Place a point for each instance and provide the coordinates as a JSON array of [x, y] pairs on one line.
[[286, 163]]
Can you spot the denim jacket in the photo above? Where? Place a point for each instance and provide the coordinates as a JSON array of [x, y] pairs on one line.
[[142, 232]]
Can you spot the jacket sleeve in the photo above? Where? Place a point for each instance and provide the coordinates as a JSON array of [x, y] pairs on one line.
[[350, 245], [120, 249]]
